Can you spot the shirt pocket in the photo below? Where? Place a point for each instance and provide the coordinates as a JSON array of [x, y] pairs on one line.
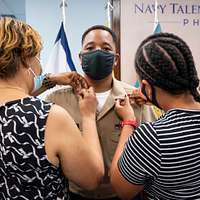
[[113, 141]]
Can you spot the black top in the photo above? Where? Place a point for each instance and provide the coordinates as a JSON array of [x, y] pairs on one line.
[[25, 172]]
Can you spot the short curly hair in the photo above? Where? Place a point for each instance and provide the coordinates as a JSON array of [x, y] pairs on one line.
[[100, 27], [18, 41], [165, 60]]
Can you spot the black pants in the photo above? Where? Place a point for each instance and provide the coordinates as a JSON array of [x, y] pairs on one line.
[[74, 196]]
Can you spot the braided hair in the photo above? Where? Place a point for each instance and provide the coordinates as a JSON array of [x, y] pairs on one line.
[[165, 60]]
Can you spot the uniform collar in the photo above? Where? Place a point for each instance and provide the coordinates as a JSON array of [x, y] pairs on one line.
[[117, 91]]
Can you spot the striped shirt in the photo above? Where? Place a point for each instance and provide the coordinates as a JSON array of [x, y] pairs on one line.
[[164, 156]]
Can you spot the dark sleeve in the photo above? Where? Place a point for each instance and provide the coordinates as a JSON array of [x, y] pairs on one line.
[[140, 160]]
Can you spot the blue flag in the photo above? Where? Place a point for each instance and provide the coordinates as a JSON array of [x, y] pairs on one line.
[[60, 59], [137, 84], [157, 28]]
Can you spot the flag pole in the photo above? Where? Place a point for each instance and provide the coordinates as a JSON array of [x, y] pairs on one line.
[[63, 6], [156, 15], [109, 9], [157, 27]]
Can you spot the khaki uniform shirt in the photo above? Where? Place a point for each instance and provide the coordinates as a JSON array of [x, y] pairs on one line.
[[107, 126]]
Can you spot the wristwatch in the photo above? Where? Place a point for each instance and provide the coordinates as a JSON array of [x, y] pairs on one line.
[[47, 83]]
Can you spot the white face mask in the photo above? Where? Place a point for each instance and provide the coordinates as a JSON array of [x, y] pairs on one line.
[[37, 80]]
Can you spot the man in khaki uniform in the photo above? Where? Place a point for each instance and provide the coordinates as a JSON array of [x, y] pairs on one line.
[[98, 57]]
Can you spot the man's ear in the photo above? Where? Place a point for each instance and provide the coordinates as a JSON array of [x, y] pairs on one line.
[[148, 88], [116, 61]]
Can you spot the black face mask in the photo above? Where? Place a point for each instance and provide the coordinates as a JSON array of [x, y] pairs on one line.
[[97, 64], [153, 100]]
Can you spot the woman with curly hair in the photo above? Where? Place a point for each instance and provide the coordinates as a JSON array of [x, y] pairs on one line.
[[40, 145]]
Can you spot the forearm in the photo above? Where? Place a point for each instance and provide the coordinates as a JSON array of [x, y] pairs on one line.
[[52, 81], [39, 91], [90, 134], [92, 143]]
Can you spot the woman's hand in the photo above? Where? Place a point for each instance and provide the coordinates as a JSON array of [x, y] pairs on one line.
[[124, 110], [74, 79], [88, 103]]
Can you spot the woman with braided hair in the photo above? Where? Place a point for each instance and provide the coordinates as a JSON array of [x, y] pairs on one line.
[[162, 157]]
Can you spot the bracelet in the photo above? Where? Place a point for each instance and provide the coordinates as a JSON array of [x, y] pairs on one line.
[[132, 123], [47, 83]]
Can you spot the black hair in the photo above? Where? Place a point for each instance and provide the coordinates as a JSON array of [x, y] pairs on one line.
[[166, 61], [99, 27]]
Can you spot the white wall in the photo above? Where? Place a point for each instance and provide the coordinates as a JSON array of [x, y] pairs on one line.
[[180, 17], [45, 16]]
